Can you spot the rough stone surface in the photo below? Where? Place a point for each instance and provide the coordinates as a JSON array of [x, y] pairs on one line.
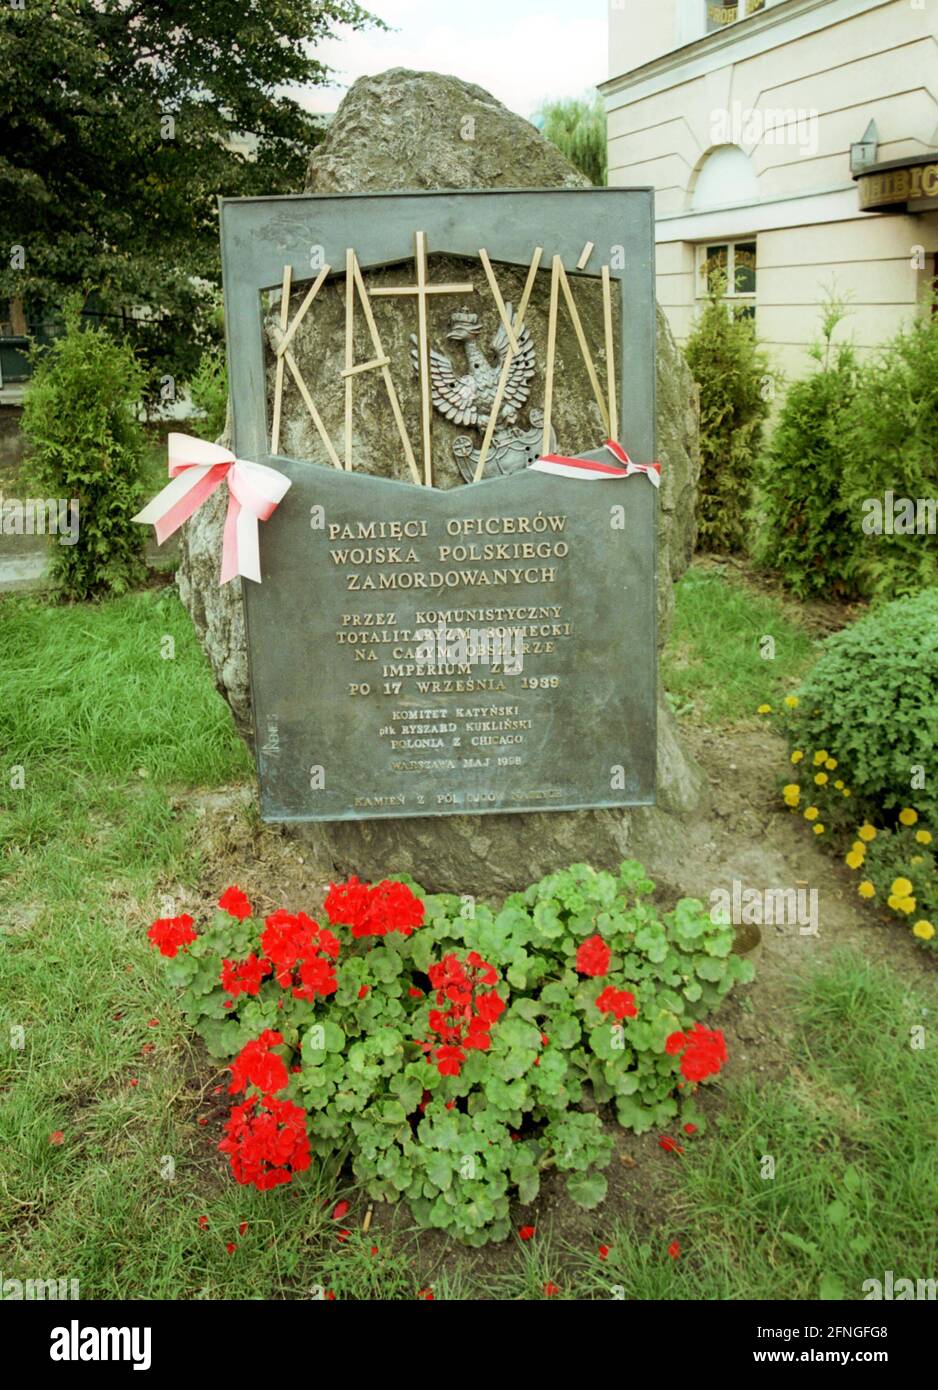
[[403, 129], [408, 130]]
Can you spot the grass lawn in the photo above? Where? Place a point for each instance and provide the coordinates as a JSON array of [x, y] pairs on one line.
[[109, 711], [720, 626]]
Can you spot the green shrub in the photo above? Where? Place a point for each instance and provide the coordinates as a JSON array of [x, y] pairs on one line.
[[731, 369], [595, 994], [871, 702], [803, 529], [890, 442], [209, 392], [86, 443]]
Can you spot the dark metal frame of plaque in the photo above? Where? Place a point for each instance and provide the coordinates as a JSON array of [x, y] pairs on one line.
[[589, 743]]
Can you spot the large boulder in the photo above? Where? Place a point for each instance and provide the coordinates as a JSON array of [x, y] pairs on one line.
[[413, 130]]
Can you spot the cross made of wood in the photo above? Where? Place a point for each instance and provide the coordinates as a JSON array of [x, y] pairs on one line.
[[422, 289]]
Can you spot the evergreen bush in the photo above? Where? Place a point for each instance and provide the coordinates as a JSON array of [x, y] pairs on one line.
[[731, 370], [80, 419]]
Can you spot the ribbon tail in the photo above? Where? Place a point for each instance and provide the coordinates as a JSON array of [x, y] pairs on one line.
[[240, 553], [229, 549]]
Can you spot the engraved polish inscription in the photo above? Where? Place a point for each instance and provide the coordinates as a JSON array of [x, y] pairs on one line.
[[425, 653]]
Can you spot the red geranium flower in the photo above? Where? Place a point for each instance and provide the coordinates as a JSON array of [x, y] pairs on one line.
[[244, 976], [235, 903], [617, 1001], [674, 1249], [593, 956], [374, 909], [256, 1065], [169, 933], [526, 1232], [702, 1051], [266, 1141]]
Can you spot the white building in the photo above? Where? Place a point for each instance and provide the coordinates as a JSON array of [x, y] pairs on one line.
[[793, 142]]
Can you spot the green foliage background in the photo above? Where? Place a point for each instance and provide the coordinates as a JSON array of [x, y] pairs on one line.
[[802, 525], [577, 126], [80, 420], [890, 442], [117, 126], [871, 700], [731, 369]]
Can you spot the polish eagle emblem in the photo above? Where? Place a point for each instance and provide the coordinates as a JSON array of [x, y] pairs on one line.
[[468, 399]]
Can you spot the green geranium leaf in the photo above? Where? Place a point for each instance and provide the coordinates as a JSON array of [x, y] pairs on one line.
[[587, 1189]]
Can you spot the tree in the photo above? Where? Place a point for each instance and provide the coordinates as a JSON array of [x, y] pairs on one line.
[[732, 372], [86, 447], [117, 120], [801, 526], [577, 126]]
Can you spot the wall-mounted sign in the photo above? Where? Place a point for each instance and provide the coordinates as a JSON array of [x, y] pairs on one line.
[[720, 15], [899, 183]]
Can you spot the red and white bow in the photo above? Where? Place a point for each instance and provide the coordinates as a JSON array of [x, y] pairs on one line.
[[594, 468], [197, 468]]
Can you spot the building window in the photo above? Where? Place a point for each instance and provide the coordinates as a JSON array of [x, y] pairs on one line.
[[719, 15], [735, 263]]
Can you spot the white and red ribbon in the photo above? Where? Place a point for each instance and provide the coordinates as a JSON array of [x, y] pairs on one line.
[[197, 468], [595, 470]]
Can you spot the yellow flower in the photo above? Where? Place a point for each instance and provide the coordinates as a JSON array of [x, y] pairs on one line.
[[830, 764], [821, 757], [867, 832], [854, 860], [797, 756], [923, 930], [820, 778], [791, 701], [908, 816], [866, 889], [764, 709], [923, 837], [811, 813], [846, 791], [859, 846], [818, 829], [901, 887], [907, 905], [792, 789], [917, 859], [893, 902], [839, 784]]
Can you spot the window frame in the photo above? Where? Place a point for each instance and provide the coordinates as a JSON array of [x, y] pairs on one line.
[[739, 299]]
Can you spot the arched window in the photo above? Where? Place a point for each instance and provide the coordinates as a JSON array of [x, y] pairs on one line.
[[725, 177]]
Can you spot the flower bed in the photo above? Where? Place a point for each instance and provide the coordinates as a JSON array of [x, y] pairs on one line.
[[894, 858], [451, 1050]]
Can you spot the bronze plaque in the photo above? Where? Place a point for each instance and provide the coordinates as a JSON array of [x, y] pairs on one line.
[[488, 646], [417, 652]]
